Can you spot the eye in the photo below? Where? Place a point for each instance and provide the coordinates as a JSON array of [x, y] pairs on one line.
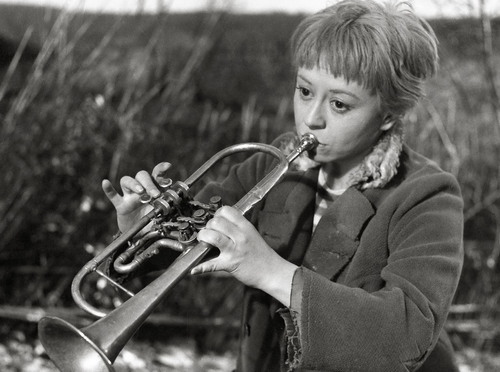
[[304, 92], [339, 106]]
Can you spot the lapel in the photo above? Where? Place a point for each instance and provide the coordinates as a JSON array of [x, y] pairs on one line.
[[337, 234], [286, 219]]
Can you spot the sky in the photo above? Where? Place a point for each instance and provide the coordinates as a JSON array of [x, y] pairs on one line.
[[425, 8]]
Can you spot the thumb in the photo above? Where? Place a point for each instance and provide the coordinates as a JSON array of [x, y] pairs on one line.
[[206, 267], [160, 169], [110, 192]]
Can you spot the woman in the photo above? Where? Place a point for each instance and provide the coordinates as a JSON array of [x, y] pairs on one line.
[[351, 262]]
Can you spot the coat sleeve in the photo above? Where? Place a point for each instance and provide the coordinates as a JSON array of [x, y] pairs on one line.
[[393, 329]]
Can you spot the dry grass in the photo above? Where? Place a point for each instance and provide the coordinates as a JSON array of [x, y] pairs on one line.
[[99, 101]]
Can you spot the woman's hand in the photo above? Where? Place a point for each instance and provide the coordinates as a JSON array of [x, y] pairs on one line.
[[245, 255], [129, 207]]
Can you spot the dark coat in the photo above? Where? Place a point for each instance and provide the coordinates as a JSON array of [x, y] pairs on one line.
[[379, 272]]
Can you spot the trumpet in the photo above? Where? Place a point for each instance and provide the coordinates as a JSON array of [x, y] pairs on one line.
[[174, 220]]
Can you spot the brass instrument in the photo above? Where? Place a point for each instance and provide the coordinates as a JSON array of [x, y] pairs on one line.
[[95, 347]]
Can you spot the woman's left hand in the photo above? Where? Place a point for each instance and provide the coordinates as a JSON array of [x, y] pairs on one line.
[[245, 255]]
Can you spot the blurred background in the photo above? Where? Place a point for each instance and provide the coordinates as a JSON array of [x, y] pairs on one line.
[[92, 90]]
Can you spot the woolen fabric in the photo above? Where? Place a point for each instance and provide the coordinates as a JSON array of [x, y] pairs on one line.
[[379, 272]]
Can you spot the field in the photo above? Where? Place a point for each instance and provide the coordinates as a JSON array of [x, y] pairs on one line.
[[87, 97]]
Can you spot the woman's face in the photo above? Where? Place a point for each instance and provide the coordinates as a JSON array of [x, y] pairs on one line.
[[346, 118]]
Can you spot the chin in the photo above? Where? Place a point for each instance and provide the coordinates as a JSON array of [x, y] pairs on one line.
[[320, 158]]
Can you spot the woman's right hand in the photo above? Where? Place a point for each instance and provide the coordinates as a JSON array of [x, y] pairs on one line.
[[129, 208]]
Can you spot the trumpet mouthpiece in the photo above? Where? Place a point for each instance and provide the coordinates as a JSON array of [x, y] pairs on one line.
[[308, 141]]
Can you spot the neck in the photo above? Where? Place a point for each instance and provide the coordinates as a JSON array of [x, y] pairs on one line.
[[336, 178], [339, 174]]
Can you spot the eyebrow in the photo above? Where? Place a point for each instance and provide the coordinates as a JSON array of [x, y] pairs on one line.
[[336, 91]]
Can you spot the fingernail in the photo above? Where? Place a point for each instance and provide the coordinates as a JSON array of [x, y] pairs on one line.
[[139, 189]]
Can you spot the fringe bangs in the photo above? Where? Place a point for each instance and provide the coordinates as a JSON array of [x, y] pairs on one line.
[[343, 52]]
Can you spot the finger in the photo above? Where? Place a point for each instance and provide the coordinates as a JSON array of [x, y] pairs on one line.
[[233, 215], [145, 179], [160, 169], [225, 226], [215, 238], [130, 185], [110, 192], [206, 267], [229, 212]]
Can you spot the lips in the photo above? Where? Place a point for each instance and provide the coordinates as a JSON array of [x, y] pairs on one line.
[[319, 142]]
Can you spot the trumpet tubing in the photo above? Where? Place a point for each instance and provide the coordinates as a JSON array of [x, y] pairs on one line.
[[175, 218]]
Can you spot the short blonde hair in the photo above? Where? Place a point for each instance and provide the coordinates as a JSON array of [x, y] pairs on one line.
[[383, 47]]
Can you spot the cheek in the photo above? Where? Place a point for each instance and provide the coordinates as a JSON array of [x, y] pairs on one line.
[[296, 109], [361, 140], [298, 112]]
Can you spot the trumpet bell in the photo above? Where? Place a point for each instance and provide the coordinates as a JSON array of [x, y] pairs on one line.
[[70, 348], [95, 347]]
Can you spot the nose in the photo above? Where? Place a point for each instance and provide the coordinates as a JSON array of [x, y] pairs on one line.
[[315, 118]]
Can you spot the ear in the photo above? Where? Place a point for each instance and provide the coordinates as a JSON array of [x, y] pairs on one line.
[[388, 123]]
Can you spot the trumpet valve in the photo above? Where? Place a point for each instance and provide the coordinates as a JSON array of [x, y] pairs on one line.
[[216, 202], [186, 233], [164, 182]]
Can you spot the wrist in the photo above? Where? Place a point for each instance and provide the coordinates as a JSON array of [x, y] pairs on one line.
[[278, 280]]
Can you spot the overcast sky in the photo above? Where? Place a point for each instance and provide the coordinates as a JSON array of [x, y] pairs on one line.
[[426, 8]]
